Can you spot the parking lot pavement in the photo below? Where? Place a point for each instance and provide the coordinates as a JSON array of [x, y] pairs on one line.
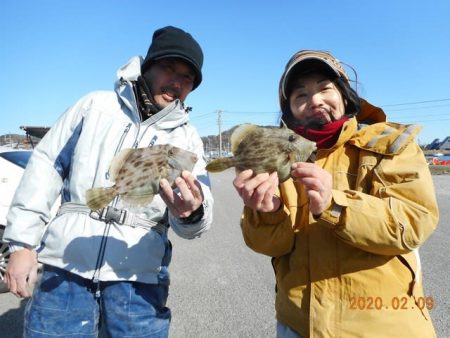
[[220, 288]]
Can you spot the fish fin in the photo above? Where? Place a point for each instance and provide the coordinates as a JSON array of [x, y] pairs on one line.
[[118, 161], [292, 157], [220, 164], [239, 134], [130, 200], [97, 198]]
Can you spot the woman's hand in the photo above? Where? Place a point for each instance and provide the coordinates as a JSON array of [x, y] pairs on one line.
[[258, 192], [317, 183]]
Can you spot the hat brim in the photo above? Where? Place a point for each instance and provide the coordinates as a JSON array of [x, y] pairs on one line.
[[307, 66]]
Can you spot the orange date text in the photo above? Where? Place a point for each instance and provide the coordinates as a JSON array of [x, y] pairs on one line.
[[395, 303]]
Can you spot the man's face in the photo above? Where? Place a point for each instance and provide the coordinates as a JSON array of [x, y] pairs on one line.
[[315, 101], [170, 79]]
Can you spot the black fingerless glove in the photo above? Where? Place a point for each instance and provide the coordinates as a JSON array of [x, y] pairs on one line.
[[194, 217]]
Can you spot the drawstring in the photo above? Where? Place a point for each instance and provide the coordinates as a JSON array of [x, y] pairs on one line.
[[100, 259], [101, 256]]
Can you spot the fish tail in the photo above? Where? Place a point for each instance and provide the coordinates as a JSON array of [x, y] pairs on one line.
[[97, 198], [219, 164]]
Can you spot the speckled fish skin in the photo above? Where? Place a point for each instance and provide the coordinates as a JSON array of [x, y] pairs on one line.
[[137, 172], [264, 149]]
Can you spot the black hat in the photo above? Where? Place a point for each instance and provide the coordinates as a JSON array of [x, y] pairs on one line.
[[174, 42]]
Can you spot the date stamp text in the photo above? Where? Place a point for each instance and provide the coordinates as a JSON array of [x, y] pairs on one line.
[[396, 303]]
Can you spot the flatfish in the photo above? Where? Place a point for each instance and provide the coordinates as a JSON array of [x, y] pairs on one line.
[[264, 149], [136, 174]]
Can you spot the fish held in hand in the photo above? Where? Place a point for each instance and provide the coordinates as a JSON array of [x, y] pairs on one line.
[[264, 150], [137, 172]]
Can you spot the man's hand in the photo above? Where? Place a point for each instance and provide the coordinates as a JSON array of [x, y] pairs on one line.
[[189, 198], [21, 272], [258, 192], [317, 183]]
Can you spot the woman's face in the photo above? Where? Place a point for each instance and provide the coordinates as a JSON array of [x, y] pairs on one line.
[[315, 101]]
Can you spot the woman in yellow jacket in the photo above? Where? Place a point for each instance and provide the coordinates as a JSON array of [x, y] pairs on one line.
[[343, 231]]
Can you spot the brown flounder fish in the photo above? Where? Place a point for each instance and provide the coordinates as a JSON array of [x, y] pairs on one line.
[[264, 149], [137, 172]]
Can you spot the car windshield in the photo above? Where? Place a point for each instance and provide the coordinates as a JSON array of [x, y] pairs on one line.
[[19, 158]]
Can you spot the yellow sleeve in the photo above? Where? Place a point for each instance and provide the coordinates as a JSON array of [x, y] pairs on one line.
[[272, 234], [397, 216]]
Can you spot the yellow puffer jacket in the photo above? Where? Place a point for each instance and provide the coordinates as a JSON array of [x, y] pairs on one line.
[[355, 271]]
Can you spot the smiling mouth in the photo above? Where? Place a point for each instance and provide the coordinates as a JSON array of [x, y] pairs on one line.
[[322, 111], [170, 93], [321, 115]]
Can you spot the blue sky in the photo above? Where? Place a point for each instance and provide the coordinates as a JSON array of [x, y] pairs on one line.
[[53, 52]]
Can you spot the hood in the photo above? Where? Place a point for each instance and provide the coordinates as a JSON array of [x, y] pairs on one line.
[[123, 86], [369, 130], [370, 114]]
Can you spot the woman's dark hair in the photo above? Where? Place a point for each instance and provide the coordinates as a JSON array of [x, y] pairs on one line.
[[353, 105], [351, 99]]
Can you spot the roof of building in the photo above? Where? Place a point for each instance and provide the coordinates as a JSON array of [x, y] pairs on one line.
[[35, 131]]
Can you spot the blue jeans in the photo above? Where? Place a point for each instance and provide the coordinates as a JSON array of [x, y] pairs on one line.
[[64, 305], [284, 331]]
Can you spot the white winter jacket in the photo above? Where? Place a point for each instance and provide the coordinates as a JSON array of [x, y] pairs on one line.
[[74, 156]]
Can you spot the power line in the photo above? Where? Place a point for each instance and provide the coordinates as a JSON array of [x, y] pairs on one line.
[[246, 112], [212, 114], [424, 121], [227, 118], [411, 103], [204, 115], [420, 108]]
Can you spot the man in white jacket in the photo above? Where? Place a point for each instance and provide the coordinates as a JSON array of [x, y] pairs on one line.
[[111, 266]]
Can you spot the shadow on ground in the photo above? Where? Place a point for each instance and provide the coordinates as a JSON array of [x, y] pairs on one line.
[[11, 321]]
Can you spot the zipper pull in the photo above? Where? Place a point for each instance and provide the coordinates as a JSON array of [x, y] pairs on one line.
[[153, 140]]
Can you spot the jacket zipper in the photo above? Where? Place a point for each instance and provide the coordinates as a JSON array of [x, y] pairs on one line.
[[119, 145], [102, 249]]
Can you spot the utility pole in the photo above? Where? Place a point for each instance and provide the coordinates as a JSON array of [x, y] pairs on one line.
[[219, 122]]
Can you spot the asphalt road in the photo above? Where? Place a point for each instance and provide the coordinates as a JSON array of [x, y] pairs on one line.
[[220, 288]]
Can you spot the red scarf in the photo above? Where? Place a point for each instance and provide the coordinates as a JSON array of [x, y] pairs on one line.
[[326, 137]]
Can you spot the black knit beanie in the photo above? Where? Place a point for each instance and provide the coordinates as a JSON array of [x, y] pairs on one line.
[[174, 42]]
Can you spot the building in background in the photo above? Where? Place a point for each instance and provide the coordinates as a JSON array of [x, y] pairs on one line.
[[439, 145], [33, 135]]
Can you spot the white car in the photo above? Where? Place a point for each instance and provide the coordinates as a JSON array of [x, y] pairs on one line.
[[12, 165]]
